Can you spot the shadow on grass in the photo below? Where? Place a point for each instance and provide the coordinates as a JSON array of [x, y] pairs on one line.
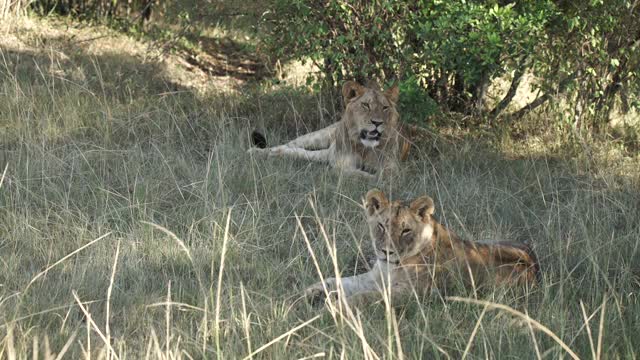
[[224, 57]]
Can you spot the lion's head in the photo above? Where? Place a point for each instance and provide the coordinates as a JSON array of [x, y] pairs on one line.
[[370, 113], [399, 231]]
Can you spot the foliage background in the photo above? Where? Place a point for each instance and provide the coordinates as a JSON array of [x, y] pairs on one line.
[[585, 52]]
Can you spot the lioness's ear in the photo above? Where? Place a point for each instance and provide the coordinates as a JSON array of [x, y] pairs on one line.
[[423, 207], [393, 93], [375, 200], [350, 90]]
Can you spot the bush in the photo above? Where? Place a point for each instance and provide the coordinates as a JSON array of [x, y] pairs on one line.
[[415, 104], [456, 48]]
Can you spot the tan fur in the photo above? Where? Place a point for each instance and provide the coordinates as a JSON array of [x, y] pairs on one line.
[[415, 253], [364, 141]]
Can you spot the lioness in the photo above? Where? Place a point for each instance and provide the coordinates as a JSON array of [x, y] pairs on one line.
[[416, 253], [363, 142]]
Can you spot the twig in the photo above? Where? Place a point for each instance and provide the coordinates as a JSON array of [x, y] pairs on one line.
[[63, 259], [534, 323], [288, 333], [93, 324]]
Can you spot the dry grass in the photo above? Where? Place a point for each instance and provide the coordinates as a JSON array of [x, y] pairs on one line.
[[134, 225]]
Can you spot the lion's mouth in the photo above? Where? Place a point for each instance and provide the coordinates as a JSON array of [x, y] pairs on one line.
[[387, 256], [370, 138], [370, 134], [389, 261]]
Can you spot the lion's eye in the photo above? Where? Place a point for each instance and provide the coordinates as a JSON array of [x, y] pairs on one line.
[[406, 232], [385, 108], [381, 228], [365, 106]]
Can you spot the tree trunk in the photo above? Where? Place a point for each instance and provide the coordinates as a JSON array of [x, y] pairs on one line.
[[606, 101], [432, 88], [513, 88], [625, 107], [456, 98], [562, 87], [480, 93], [530, 106], [146, 12], [442, 84]]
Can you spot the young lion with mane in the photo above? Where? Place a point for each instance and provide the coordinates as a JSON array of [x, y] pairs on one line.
[[365, 141], [416, 253]]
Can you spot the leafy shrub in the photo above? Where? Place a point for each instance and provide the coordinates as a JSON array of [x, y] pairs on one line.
[[415, 104], [454, 49]]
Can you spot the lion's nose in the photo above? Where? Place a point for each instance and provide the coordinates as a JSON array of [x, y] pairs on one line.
[[376, 122]]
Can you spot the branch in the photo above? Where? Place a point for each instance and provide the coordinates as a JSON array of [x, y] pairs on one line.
[[562, 87], [515, 83]]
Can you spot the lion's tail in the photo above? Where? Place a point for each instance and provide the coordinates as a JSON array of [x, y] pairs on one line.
[[258, 140], [409, 135], [404, 151]]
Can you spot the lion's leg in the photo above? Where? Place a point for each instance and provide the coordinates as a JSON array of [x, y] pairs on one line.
[[352, 171], [323, 155], [374, 286], [312, 146], [295, 148], [395, 291], [358, 291], [349, 165], [350, 285], [361, 289], [373, 296], [320, 139]]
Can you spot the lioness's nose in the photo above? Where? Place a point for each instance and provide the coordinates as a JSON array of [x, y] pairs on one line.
[[376, 122]]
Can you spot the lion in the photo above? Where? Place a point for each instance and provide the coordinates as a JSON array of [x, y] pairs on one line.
[[365, 141], [415, 254]]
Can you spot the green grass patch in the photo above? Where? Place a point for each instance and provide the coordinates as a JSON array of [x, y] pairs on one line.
[[158, 175]]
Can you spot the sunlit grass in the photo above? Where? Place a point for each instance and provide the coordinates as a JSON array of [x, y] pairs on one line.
[[133, 224]]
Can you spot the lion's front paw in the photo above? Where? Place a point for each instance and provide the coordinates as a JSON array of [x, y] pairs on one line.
[[369, 176], [317, 296], [255, 150]]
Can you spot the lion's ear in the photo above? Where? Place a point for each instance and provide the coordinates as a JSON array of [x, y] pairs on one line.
[[375, 200], [393, 93], [350, 90], [423, 207]]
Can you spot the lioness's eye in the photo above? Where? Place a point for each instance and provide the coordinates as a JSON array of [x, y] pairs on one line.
[[381, 227], [385, 108], [365, 106], [406, 232]]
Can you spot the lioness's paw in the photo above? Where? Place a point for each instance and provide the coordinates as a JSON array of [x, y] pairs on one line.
[[255, 150], [369, 176], [317, 296]]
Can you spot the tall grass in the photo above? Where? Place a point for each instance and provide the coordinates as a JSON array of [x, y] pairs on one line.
[[134, 225]]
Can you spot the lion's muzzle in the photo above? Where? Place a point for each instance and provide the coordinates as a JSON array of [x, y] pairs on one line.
[[370, 136]]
